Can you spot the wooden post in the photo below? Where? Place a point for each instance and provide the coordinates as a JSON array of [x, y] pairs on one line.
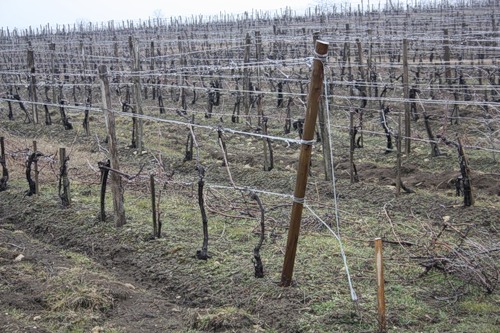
[[52, 48], [3, 163], [316, 87], [466, 178], [352, 142], [116, 181], [398, 158], [137, 93], [446, 57], [406, 94], [2, 148], [152, 67], [31, 67], [369, 63], [323, 129], [382, 324], [246, 81], [64, 193], [360, 60], [153, 205], [35, 169]]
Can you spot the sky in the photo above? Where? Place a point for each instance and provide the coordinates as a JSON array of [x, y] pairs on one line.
[[24, 13]]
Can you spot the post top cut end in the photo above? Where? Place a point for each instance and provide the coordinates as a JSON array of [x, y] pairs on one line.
[[321, 47]]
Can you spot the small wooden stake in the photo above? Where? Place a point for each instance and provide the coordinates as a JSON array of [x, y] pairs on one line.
[[35, 169], [313, 101], [153, 205], [380, 286], [2, 148], [3, 163]]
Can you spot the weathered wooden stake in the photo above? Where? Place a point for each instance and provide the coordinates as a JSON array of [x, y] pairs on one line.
[[446, 57], [153, 205], [3, 163], [352, 142], [137, 93], [64, 193], [2, 148], [398, 158], [203, 253], [31, 67], [116, 181], [466, 178], [324, 131], [382, 324], [406, 93], [35, 168], [315, 90], [52, 48], [104, 168]]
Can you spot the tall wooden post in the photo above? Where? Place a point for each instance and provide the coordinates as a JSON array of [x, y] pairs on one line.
[[258, 51], [447, 57], [52, 48], [352, 145], [313, 102], [369, 62], [406, 93], [116, 181], [152, 66], [246, 80], [137, 93], [382, 323], [31, 67], [398, 158], [323, 130]]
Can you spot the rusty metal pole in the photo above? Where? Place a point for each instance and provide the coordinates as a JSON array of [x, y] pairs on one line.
[[313, 102]]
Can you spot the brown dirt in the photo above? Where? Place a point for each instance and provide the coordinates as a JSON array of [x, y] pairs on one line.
[[134, 309]]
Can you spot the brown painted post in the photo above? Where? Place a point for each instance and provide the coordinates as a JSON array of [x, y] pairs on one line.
[[382, 324], [316, 87], [116, 181], [35, 169], [406, 94]]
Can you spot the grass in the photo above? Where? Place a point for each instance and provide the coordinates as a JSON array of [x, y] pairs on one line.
[[222, 293]]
